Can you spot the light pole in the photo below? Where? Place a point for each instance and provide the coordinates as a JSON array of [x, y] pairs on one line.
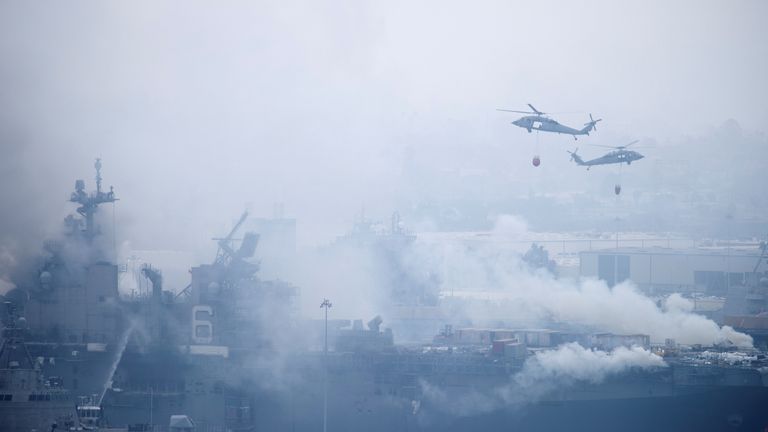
[[327, 305]]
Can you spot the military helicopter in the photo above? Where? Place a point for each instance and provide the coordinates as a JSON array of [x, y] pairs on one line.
[[540, 122], [619, 155]]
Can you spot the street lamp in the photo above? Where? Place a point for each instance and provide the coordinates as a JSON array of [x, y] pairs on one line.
[[327, 305]]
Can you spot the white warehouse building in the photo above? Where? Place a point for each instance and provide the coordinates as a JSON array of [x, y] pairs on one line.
[[663, 270]]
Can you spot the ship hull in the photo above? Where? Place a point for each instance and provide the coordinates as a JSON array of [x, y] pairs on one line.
[[734, 409], [701, 409], [360, 401]]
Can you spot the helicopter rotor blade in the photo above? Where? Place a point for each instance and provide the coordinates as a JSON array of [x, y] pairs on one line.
[[621, 147], [539, 113], [514, 111], [535, 110]]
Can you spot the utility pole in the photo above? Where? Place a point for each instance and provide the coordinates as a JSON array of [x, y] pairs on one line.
[[327, 305], [151, 407]]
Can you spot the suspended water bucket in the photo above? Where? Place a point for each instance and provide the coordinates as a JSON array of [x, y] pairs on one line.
[[536, 161], [617, 189]]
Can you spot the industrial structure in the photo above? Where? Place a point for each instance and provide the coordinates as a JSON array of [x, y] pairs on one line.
[[659, 270]]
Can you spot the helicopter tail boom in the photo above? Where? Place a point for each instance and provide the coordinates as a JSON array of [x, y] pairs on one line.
[[576, 158]]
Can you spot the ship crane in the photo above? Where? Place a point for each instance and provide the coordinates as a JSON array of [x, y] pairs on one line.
[[226, 252], [231, 260], [234, 261]]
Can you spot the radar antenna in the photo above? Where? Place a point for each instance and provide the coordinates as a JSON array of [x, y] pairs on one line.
[[89, 203]]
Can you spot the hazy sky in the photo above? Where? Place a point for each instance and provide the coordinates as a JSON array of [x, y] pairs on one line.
[[202, 108]]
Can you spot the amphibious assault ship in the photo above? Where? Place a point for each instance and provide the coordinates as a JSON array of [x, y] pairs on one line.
[[230, 351]]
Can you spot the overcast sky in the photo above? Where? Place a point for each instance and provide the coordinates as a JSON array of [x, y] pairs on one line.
[[200, 109]]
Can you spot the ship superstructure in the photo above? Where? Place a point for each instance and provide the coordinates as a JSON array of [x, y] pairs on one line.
[[73, 295]]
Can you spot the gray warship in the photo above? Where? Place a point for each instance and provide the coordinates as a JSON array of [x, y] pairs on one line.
[[230, 352], [28, 399]]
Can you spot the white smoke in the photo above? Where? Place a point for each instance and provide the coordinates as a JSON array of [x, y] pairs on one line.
[[537, 298], [510, 225], [572, 362], [6, 286], [544, 374], [554, 370], [623, 309]]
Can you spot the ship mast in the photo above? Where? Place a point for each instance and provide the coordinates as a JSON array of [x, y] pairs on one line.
[[89, 203]]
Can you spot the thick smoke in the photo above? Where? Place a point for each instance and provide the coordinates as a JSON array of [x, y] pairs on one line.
[[572, 362], [543, 375], [24, 210], [199, 108], [297, 111], [512, 293], [353, 277], [485, 283]]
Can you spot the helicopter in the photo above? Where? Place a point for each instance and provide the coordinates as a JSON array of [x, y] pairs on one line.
[[619, 155], [540, 122]]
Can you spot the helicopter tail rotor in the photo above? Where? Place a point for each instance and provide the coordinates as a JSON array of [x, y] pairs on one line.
[[591, 124], [575, 157]]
